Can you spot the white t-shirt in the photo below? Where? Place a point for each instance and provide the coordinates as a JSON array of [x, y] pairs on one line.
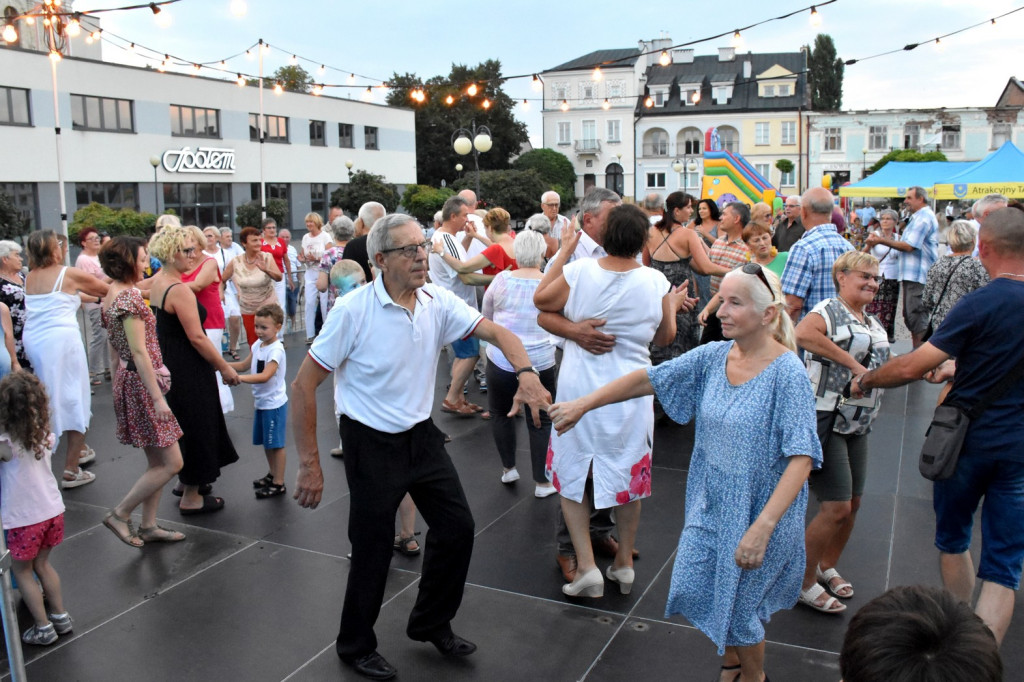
[[314, 247], [30, 492], [444, 276], [269, 395]]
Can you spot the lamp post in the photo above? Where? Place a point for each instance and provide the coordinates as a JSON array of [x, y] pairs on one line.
[[474, 140], [154, 161], [687, 165], [458, 169], [864, 172], [348, 167]]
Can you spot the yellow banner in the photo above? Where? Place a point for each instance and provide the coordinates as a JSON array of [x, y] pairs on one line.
[[976, 190]]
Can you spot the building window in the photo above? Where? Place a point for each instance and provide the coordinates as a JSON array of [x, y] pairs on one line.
[[26, 200], [14, 109], [560, 91], [370, 137], [614, 131], [317, 134], [951, 136], [564, 132], [788, 179], [587, 91], [660, 96], [689, 141], [194, 121], [110, 194], [768, 91], [784, 91], [275, 190], [101, 113], [656, 143], [275, 128], [789, 132], [656, 181], [200, 203], [762, 133], [345, 135], [763, 169], [833, 139], [590, 135], [614, 179], [614, 89], [318, 198], [911, 136], [878, 137], [1000, 134]]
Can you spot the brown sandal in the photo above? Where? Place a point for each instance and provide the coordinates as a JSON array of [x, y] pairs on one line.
[[131, 538], [158, 534], [459, 409]]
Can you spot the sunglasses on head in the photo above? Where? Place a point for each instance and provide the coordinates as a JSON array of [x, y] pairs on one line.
[[755, 269]]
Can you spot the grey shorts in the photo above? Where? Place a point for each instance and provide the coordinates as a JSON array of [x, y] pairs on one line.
[[844, 469], [914, 313]]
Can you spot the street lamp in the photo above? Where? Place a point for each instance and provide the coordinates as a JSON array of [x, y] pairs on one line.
[[474, 140], [864, 172], [689, 166], [458, 169], [154, 161], [348, 167]]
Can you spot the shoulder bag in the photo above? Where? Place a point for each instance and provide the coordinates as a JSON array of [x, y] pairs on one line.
[[945, 436]]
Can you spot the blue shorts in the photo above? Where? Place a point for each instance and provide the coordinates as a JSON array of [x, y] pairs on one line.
[[468, 348], [956, 499], [269, 427]]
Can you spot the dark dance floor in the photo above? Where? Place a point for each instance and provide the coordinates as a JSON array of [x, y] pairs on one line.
[[255, 592]]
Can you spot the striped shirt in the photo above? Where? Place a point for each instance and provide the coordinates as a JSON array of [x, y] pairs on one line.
[[509, 303], [728, 254]]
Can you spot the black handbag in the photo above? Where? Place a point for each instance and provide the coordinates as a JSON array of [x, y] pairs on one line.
[[945, 436]]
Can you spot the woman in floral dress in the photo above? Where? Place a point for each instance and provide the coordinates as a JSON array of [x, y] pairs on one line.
[[12, 294], [143, 418], [613, 446]]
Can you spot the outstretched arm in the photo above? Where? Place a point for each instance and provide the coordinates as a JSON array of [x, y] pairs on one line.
[[565, 415]]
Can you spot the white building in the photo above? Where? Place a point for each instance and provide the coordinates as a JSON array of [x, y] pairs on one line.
[[845, 144], [202, 132]]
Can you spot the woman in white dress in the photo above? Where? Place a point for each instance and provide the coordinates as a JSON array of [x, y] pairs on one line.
[[53, 344], [314, 244], [611, 446]]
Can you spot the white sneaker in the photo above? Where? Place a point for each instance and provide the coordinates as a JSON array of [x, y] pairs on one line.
[[544, 491], [510, 476], [338, 451]]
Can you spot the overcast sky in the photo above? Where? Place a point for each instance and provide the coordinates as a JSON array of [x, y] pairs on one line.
[[528, 36]]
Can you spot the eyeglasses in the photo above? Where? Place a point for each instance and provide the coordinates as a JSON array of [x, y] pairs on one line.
[[552, 205], [189, 251], [755, 269], [867, 275], [410, 250]]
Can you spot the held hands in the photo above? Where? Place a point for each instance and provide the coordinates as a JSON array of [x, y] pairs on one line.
[[750, 551], [230, 377], [942, 373], [679, 299], [872, 240], [565, 415]]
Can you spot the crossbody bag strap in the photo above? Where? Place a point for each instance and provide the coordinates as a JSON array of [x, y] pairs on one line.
[[997, 391], [945, 286]]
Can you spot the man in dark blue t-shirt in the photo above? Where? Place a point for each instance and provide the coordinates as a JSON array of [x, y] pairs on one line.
[[982, 332]]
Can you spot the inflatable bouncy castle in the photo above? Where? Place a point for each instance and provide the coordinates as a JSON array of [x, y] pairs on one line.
[[728, 177]]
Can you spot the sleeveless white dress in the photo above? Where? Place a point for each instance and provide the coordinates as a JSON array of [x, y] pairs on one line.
[[53, 344]]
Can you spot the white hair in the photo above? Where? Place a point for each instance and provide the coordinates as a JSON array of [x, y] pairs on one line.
[[782, 326], [529, 248]]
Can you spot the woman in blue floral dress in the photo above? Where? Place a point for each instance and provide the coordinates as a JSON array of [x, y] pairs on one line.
[[741, 552]]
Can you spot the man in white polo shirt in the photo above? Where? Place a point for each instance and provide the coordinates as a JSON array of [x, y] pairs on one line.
[[384, 341]]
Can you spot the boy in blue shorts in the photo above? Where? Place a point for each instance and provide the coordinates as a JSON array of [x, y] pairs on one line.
[[267, 366]]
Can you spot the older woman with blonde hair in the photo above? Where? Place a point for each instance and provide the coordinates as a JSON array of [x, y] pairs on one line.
[[740, 554], [204, 279], [761, 214], [314, 244], [841, 341], [192, 360]]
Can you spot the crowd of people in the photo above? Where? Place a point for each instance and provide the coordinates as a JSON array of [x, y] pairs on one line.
[[772, 336]]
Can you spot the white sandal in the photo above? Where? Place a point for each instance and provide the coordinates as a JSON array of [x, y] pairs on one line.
[[825, 579], [810, 596], [78, 478], [87, 456]]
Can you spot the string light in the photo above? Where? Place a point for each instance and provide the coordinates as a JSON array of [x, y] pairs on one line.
[[223, 64], [266, 48], [564, 106], [278, 88], [737, 39], [153, 6], [55, 56], [472, 90], [368, 94], [196, 67], [30, 20], [351, 79], [321, 71], [537, 84], [248, 54], [939, 47], [597, 75], [294, 61], [318, 90], [10, 34], [815, 16], [665, 58], [606, 105], [163, 19], [648, 102], [449, 100], [486, 104], [95, 35], [131, 48], [526, 105], [239, 8], [241, 81], [73, 28]]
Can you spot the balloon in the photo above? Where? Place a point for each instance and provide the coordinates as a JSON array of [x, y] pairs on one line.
[[826, 181], [777, 204], [768, 196]]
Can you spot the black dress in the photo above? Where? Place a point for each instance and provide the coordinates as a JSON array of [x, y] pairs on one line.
[[195, 402]]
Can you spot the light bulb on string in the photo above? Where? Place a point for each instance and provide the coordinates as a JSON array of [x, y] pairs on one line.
[[564, 106], [239, 8], [293, 61], [472, 90], [248, 54], [815, 16], [597, 75], [486, 104], [351, 79], [240, 80], [939, 47], [278, 88], [449, 100], [131, 48], [266, 48], [606, 105], [30, 20], [665, 59], [95, 35], [648, 102], [368, 94], [537, 84], [10, 34], [163, 18], [223, 64], [196, 67], [321, 71], [737, 39], [73, 29], [55, 56], [526, 105], [318, 90]]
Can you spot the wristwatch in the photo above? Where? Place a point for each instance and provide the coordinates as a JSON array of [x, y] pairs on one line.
[[529, 368]]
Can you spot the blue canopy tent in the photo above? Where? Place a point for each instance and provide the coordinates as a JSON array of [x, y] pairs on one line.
[[894, 178], [1001, 172]]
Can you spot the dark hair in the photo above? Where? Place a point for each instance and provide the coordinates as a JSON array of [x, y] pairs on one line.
[[85, 233], [42, 246], [672, 202], [626, 231], [741, 210], [118, 257], [25, 411], [247, 232], [754, 229], [712, 209], [919, 633], [267, 222], [273, 311]]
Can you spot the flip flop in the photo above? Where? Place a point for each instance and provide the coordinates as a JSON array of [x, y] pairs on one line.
[[210, 504]]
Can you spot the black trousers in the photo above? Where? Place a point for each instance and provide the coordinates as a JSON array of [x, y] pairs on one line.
[[381, 468], [502, 387]]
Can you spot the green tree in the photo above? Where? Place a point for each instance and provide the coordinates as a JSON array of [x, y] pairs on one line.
[[555, 169], [436, 120], [825, 77], [423, 202], [250, 215], [910, 155], [784, 165], [114, 222], [12, 222], [363, 187], [292, 78], [515, 191]]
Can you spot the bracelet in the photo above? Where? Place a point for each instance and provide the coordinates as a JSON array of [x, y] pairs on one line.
[[531, 369]]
